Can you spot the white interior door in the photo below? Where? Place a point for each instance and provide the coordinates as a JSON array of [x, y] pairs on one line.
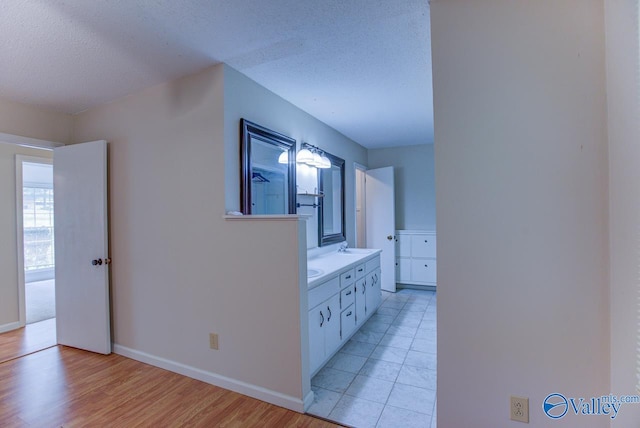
[[381, 221], [81, 246]]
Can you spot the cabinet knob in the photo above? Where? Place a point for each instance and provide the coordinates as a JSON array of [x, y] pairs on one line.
[[425, 241], [389, 237], [426, 266]]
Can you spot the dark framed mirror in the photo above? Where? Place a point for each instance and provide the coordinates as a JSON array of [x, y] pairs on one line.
[[268, 171], [331, 206]]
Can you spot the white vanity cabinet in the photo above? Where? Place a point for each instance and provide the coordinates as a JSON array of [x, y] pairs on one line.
[[339, 305], [416, 257], [324, 321]]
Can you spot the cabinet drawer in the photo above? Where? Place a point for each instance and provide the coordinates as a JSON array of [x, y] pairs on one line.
[[360, 271], [347, 321], [423, 246], [347, 278], [423, 270], [372, 264], [347, 296], [323, 291]]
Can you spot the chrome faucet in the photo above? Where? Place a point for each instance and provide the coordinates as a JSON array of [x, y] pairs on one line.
[[343, 247]]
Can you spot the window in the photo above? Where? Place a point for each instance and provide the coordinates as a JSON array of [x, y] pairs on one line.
[[37, 217]]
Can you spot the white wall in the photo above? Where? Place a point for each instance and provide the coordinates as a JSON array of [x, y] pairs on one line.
[[623, 96], [521, 202], [414, 180], [26, 121], [34, 122], [244, 98], [181, 271]]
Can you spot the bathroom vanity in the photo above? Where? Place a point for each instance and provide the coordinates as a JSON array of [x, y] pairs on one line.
[[344, 291]]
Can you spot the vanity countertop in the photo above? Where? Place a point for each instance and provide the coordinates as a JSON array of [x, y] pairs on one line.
[[331, 264]]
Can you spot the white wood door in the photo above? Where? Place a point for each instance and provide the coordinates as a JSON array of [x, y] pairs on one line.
[[381, 222], [81, 246]]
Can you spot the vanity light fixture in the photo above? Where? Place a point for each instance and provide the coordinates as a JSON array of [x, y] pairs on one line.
[[312, 156], [304, 155]]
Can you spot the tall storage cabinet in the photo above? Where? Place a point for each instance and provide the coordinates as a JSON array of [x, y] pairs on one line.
[[416, 257]]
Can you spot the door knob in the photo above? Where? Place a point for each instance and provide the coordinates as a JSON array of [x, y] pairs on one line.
[[389, 237], [96, 262]]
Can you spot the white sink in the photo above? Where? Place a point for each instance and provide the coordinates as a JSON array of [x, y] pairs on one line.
[[356, 251], [312, 273]]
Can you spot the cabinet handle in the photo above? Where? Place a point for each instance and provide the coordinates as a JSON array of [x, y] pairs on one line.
[[322, 320], [376, 278], [348, 294], [347, 277], [365, 287], [329, 317], [360, 270], [349, 314]]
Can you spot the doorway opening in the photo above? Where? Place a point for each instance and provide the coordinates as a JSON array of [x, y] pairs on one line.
[[38, 239], [35, 258]]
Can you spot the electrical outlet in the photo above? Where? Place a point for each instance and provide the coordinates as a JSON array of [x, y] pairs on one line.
[[519, 409], [213, 341]]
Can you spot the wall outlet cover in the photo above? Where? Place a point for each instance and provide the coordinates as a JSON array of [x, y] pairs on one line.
[[519, 409]]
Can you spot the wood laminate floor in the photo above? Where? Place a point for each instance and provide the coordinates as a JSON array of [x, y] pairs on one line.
[[34, 337], [66, 387]]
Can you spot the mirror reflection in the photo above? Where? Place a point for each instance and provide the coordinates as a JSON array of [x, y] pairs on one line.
[[268, 171], [331, 209]]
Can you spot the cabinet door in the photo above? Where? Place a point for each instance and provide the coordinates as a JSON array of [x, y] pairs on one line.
[[332, 325], [375, 290], [361, 302], [403, 267], [403, 245], [316, 337], [423, 246], [423, 270]]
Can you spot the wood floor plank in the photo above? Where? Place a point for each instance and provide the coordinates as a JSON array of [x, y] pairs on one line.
[[66, 387], [23, 341]]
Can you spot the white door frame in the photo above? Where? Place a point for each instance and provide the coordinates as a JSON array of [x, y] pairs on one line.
[[20, 159], [358, 167]]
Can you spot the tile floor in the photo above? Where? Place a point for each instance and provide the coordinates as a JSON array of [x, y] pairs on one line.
[[385, 376]]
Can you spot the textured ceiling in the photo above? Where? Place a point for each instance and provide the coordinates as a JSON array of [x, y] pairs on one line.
[[361, 66]]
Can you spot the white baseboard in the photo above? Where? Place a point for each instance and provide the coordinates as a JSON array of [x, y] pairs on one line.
[[308, 400], [273, 397], [8, 327]]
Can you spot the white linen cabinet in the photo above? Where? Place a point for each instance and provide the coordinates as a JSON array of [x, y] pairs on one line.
[[416, 257]]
